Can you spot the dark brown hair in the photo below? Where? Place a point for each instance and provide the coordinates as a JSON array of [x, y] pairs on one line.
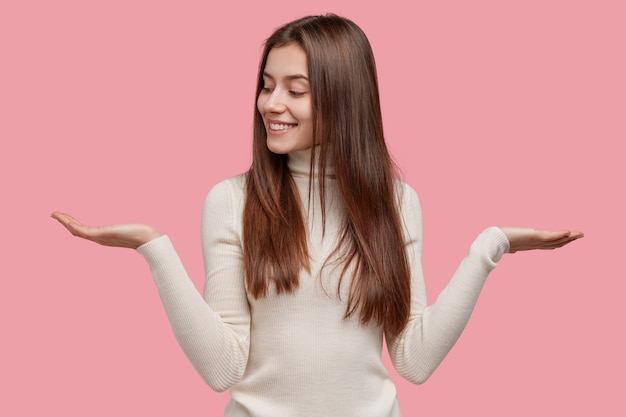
[[347, 125]]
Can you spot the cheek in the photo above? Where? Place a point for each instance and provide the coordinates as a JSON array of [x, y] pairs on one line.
[[305, 113], [259, 104]]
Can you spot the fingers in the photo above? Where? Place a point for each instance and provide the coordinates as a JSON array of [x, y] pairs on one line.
[[552, 236], [75, 227], [562, 239], [524, 239], [64, 218], [118, 235]]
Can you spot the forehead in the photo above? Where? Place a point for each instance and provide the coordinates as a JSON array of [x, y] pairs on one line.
[[286, 60]]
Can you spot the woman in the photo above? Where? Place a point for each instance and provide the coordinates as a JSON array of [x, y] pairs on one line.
[[314, 253]]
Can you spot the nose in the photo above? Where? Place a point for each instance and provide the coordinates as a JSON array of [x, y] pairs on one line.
[[273, 102]]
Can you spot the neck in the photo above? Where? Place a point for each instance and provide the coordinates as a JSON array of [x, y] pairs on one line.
[[299, 163]]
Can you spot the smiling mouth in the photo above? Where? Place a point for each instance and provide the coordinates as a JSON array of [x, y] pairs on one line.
[[281, 126]]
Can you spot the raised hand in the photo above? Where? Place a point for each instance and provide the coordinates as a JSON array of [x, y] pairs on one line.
[[523, 238], [118, 235]]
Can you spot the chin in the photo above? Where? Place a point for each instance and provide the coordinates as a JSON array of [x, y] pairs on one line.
[[285, 148], [279, 150]]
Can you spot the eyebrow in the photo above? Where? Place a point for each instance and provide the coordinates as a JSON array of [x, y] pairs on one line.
[[289, 77]]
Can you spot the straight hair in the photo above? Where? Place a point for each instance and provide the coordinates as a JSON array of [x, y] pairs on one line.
[[347, 125]]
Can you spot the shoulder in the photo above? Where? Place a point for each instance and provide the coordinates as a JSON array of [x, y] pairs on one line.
[[410, 210], [226, 194], [406, 196], [228, 188]]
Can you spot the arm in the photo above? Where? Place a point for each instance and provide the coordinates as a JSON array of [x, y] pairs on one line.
[[213, 333], [433, 330]]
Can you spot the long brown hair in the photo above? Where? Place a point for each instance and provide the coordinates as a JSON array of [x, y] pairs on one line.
[[347, 125]]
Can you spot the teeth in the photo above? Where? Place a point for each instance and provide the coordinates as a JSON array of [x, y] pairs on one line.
[[278, 126]]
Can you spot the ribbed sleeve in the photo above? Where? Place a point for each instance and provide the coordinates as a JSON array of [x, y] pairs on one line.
[[295, 354], [212, 331], [433, 330]]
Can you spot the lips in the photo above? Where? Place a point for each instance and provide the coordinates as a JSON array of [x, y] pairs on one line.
[[281, 126]]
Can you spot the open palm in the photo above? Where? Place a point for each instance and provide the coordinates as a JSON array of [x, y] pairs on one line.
[[525, 238], [118, 235]]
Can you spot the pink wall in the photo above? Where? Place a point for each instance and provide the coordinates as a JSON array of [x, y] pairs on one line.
[[124, 111]]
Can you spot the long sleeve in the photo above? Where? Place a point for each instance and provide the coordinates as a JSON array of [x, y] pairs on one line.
[[213, 330], [433, 330]]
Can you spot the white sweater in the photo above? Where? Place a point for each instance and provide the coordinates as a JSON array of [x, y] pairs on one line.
[[293, 355]]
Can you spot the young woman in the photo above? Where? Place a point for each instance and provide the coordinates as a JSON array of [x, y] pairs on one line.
[[314, 254]]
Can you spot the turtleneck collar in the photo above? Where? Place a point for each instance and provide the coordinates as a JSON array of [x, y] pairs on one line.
[[299, 163]]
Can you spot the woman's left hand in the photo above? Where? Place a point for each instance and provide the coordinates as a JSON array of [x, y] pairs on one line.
[[523, 238]]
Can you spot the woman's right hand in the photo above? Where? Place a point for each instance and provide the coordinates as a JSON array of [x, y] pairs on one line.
[[118, 235]]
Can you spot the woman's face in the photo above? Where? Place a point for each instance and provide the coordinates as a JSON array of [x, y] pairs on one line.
[[285, 100]]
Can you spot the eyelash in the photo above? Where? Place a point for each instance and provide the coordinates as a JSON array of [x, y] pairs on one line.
[[293, 93]]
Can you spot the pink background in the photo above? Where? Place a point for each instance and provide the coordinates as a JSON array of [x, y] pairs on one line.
[[497, 112]]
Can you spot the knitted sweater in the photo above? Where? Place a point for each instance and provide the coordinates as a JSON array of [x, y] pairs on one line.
[[293, 355]]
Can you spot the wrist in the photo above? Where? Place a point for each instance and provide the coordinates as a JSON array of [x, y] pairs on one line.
[[147, 236]]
